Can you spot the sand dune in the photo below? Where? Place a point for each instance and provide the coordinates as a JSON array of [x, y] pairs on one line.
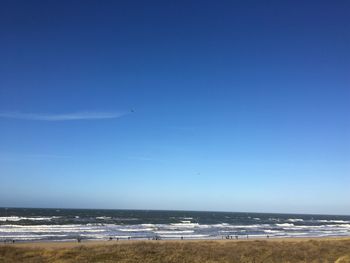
[[273, 250]]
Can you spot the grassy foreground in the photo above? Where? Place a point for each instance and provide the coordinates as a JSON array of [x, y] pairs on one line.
[[314, 250]]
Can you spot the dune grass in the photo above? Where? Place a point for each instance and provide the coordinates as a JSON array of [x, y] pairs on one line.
[[318, 250]]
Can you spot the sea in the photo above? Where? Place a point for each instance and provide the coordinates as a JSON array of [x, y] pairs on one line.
[[24, 224]]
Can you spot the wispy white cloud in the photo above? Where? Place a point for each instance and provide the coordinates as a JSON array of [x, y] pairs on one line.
[[62, 117]]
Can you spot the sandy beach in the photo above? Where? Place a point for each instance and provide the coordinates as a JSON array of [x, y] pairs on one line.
[[252, 250]]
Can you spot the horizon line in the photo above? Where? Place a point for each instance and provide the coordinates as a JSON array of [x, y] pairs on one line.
[[169, 210]]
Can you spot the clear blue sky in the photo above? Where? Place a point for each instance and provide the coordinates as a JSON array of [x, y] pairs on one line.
[[238, 105]]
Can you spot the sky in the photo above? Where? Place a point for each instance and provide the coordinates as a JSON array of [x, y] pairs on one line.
[[177, 105]]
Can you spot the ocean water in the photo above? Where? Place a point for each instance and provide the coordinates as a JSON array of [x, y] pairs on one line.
[[23, 224]]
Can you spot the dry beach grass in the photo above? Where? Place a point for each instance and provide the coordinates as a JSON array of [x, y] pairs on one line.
[[273, 250]]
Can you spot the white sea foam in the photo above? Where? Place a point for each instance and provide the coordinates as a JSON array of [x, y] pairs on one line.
[[185, 228], [185, 224], [245, 226], [174, 232], [333, 221], [24, 238], [285, 225], [220, 225], [18, 218], [272, 231], [103, 217], [135, 229], [295, 220], [30, 236]]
